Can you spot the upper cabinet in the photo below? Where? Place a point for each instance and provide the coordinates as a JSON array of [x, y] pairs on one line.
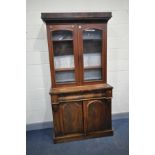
[[77, 49]]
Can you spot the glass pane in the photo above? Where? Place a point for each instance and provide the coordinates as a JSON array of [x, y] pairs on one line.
[[92, 59], [61, 35], [92, 52], [63, 55], [92, 34], [62, 77], [94, 74]]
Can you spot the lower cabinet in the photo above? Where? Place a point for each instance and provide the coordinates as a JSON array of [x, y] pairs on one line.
[[79, 119]]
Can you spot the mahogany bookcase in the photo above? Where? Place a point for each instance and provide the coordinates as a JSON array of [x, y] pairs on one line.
[[80, 95]]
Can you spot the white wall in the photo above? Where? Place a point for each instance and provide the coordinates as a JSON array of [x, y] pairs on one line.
[[38, 72]]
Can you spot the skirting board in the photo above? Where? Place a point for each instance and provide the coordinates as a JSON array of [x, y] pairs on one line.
[[44, 125]]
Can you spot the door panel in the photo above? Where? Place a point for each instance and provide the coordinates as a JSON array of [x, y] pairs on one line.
[[64, 49], [72, 117], [93, 52], [98, 115]]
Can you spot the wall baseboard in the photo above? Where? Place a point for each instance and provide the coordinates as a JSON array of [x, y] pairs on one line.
[[120, 115], [39, 125], [45, 125]]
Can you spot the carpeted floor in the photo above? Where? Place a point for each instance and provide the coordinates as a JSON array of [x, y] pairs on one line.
[[39, 142]]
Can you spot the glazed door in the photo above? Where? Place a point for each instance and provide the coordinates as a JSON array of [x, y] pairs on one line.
[[92, 39], [97, 115], [62, 47]]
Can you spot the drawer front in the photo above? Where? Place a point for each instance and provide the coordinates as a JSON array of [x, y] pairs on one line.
[[85, 95]]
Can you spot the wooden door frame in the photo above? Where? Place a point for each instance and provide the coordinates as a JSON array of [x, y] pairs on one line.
[[102, 27], [86, 104], [70, 27]]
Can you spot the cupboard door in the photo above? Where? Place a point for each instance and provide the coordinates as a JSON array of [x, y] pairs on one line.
[[93, 51], [98, 115], [63, 44], [72, 117]]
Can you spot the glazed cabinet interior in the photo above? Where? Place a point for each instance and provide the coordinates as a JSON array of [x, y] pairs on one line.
[[78, 54], [80, 95]]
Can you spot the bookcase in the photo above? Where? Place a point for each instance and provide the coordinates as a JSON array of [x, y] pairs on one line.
[[80, 95]]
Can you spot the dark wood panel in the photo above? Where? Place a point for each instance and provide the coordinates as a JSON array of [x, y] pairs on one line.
[[71, 17], [95, 109], [101, 111], [108, 113], [57, 120], [72, 115]]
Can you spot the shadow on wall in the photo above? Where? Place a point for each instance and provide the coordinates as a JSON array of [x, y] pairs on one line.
[[41, 46]]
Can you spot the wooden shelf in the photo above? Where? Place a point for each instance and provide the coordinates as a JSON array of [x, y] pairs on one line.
[[92, 67], [92, 52], [85, 39], [92, 39], [72, 69], [62, 40], [65, 82], [64, 69]]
